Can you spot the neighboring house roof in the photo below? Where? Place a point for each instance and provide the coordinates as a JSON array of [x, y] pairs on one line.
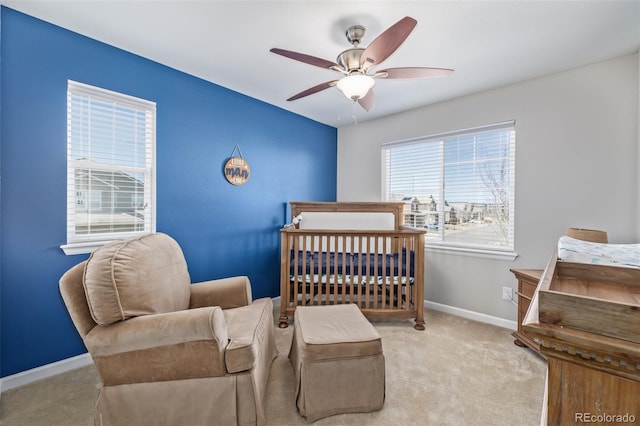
[[114, 180]]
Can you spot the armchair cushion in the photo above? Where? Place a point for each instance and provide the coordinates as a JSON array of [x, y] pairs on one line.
[[137, 276]]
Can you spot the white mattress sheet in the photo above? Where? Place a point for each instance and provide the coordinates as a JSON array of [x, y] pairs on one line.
[[376, 221], [573, 250]]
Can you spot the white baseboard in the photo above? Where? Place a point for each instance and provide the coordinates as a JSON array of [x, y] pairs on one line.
[[42, 372], [38, 373], [472, 315]]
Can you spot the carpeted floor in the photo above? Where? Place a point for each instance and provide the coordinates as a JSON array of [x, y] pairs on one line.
[[456, 372]]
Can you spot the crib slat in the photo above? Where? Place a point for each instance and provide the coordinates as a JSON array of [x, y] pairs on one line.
[[376, 265], [294, 242], [317, 266], [371, 277], [336, 262], [318, 287], [321, 276], [357, 272], [401, 275], [324, 285], [303, 282], [392, 267], [409, 248], [364, 280], [365, 287], [383, 287], [358, 276], [347, 266], [352, 272], [397, 281], [332, 277]]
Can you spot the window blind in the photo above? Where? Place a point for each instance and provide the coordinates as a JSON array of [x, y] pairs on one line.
[[459, 185], [110, 164]]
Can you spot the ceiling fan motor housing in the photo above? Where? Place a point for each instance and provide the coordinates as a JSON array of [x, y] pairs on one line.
[[349, 60]]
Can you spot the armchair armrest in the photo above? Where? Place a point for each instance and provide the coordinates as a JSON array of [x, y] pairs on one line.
[[170, 346], [227, 293]]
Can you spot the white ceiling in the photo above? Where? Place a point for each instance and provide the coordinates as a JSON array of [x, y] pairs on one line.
[[488, 43]]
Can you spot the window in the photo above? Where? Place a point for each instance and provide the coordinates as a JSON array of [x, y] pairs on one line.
[[458, 185], [110, 167]]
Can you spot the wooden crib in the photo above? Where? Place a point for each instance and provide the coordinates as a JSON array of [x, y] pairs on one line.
[[352, 252]]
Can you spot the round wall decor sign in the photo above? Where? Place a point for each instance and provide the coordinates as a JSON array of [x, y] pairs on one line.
[[237, 171]]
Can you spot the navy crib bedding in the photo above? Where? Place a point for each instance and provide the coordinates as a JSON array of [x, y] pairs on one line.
[[344, 263]]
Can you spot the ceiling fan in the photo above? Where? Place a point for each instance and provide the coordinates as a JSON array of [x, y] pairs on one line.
[[356, 64]]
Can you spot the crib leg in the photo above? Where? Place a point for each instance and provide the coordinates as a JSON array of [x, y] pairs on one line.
[[283, 321], [419, 324]]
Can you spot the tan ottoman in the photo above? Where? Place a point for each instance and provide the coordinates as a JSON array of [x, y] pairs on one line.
[[337, 357]]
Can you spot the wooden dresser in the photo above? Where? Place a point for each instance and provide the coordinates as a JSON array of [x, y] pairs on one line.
[[586, 318], [527, 283]]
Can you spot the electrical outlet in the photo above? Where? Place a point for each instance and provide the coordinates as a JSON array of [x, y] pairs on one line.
[[507, 293]]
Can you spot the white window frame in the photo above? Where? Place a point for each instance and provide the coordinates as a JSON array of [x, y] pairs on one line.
[[105, 107], [482, 250]]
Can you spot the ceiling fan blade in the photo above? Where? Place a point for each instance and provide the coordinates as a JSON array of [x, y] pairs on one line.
[[307, 59], [368, 102], [387, 42], [413, 72], [315, 89]]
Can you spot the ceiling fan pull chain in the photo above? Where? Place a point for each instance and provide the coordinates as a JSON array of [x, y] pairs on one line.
[[353, 113]]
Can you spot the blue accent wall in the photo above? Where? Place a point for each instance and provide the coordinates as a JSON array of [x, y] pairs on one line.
[[223, 230]]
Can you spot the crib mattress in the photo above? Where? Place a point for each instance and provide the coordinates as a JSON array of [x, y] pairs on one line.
[[351, 264]]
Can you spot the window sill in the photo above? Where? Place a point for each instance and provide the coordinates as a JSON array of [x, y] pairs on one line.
[[85, 247], [474, 252], [82, 248]]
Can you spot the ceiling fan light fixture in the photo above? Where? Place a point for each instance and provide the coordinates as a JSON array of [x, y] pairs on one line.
[[355, 86]]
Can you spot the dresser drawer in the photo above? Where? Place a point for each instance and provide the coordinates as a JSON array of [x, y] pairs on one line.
[[527, 288]]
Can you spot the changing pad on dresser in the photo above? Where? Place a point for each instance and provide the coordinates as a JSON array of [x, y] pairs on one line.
[[573, 250]]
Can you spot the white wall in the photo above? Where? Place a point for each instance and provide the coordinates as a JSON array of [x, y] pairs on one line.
[[576, 166]]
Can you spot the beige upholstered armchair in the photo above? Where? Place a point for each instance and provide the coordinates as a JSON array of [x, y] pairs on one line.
[[169, 352]]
